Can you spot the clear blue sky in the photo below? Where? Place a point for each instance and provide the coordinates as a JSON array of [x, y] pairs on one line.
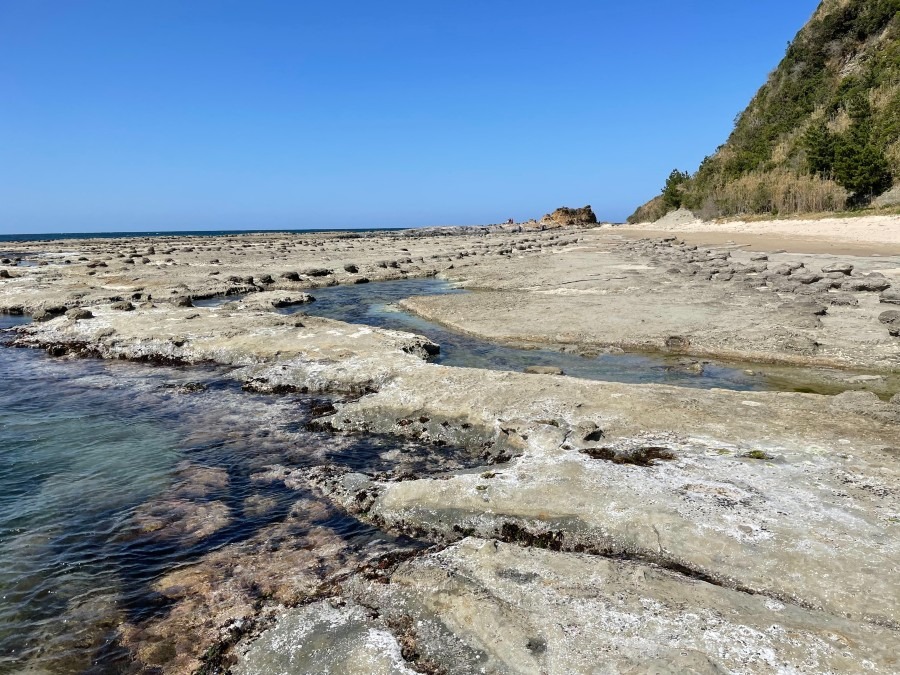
[[212, 114]]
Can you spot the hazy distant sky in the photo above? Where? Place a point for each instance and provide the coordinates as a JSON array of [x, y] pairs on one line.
[[210, 114]]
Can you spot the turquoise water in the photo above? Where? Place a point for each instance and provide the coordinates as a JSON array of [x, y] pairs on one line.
[[91, 451], [374, 304]]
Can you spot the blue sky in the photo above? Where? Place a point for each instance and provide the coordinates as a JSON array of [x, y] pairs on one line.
[[214, 114]]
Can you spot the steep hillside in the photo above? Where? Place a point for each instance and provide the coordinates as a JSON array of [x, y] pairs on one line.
[[822, 134]]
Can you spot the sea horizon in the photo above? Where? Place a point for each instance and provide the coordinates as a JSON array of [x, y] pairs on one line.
[[56, 236]]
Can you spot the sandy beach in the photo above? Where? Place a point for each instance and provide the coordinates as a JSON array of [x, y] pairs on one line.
[[862, 235]]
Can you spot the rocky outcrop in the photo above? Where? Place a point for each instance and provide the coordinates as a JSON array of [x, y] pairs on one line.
[[567, 217]]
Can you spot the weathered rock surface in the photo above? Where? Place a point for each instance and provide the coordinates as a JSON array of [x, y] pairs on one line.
[[771, 493], [277, 299], [606, 294], [566, 217], [318, 354], [640, 527], [483, 606], [322, 638]]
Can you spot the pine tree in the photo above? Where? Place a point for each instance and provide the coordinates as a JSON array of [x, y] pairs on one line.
[[860, 166], [818, 142], [673, 193]]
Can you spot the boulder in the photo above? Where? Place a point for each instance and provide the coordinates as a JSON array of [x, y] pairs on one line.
[[806, 277], [872, 283], [841, 268], [47, 313], [316, 272], [890, 296], [891, 319], [292, 300], [77, 313]]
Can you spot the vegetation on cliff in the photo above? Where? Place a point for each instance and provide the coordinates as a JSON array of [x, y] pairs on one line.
[[822, 134]]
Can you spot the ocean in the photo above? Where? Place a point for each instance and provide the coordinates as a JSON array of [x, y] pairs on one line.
[[55, 236]]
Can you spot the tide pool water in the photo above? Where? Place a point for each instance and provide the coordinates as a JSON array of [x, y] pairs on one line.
[[109, 472], [374, 304]]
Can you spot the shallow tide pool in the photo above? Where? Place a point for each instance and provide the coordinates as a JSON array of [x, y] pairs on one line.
[[374, 304], [113, 474]]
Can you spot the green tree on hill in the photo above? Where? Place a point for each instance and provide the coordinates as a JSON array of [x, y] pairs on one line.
[[673, 193], [860, 166], [818, 142]]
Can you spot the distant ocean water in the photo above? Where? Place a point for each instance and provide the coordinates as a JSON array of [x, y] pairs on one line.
[[53, 236]]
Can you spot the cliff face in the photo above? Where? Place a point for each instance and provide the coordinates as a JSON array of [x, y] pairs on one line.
[[823, 133]]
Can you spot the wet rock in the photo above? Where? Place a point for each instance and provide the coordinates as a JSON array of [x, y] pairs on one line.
[[290, 276], [191, 387], [543, 370], [351, 268], [187, 520], [292, 300], [677, 342], [4, 274], [323, 637], [47, 313], [316, 272], [182, 301]]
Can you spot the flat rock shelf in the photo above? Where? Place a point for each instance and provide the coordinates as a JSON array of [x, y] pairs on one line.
[[347, 452]]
